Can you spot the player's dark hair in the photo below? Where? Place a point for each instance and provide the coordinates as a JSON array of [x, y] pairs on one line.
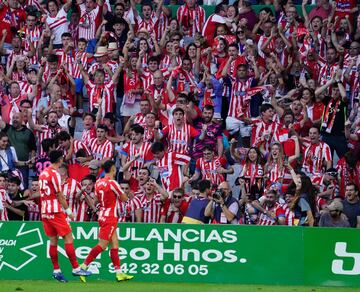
[[204, 185], [108, 165], [157, 147], [55, 156]]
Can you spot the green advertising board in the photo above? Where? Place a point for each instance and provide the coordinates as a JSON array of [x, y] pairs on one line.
[[194, 253]]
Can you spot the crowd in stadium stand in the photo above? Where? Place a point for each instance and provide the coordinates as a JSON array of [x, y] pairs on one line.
[[240, 114]]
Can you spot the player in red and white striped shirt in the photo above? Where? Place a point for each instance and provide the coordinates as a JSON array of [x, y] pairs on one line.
[[129, 210], [101, 148], [70, 147], [317, 157], [152, 200], [108, 191], [179, 134], [169, 165], [135, 154], [53, 204], [211, 167], [70, 188]]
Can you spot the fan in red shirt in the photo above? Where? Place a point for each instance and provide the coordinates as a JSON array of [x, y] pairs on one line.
[[107, 192], [211, 167], [135, 154], [53, 203], [175, 208], [169, 165], [273, 213], [179, 134]]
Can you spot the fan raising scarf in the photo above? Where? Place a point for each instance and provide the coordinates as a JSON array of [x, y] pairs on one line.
[[190, 19], [328, 121]]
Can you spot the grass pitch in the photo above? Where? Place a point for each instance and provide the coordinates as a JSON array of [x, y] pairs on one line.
[[132, 286]]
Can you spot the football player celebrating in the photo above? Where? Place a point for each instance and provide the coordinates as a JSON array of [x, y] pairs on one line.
[[53, 203], [107, 190]]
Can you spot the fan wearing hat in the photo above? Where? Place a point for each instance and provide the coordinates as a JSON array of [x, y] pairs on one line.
[[113, 55], [334, 216], [100, 92]]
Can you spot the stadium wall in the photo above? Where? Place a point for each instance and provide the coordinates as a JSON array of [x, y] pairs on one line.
[[195, 253]]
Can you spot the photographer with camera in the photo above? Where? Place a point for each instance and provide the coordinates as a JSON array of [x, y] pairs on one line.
[[223, 208]]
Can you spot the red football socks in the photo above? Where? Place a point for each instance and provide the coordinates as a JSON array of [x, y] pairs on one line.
[[114, 255], [70, 251], [53, 252], [96, 250]]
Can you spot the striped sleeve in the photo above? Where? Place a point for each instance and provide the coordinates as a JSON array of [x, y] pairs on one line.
[[56, 181], [115, 187]]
